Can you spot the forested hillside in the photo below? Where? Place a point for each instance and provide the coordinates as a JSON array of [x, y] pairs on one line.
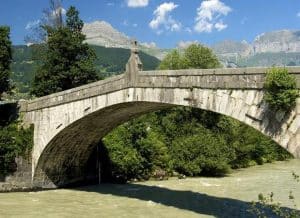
[[109, 61]]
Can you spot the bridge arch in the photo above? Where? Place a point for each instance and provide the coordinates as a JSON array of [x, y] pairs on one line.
[[82, 124], [68, 124]]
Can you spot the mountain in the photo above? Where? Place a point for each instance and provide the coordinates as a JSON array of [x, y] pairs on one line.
[[277, 48], [229, 47], [270, 42], [103, 34], [277, 41]]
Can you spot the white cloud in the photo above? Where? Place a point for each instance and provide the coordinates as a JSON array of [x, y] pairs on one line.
[[220, 26], [137, 3], [185, 44], [298, 15], [149, 44], [163, 18], [135, 25], [32, 24], [208, 16], [189, 30]]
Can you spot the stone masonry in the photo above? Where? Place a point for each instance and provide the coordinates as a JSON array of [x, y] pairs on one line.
[[68, 124]]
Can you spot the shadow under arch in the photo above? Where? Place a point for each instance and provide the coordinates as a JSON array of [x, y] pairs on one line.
[[63, 161], [196, 202]]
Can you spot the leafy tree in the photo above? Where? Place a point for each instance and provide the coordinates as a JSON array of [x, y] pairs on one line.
[[195, 56], [198, 56], [14, 141], [172, 61], [68, 62], [5, 59], [281, 91]]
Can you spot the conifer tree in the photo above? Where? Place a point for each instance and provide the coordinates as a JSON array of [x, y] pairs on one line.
[[69, 62], [5, 59]]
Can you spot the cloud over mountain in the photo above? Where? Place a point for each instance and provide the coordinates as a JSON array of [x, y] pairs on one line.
[[163, 20], [209, 16]]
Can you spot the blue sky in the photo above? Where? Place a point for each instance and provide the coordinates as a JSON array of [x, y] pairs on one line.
[[167, 22]]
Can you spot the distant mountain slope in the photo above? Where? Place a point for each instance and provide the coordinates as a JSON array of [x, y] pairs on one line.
[[109, 61], [229, 47], [277, 41], [103, 34]]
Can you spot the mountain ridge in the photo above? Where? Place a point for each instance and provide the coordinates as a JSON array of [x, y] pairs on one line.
[[104, 34]]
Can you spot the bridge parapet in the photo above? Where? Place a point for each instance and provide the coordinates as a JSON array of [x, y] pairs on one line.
[[222, 78], [229, 78]]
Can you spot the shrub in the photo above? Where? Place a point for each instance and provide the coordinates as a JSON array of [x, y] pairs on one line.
[[281, 91], [14, 141]]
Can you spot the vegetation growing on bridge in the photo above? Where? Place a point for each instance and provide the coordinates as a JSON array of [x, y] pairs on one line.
[[189, 141], [281, 89]]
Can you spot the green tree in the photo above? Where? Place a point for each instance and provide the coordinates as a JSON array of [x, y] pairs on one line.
[[195, 56], [68, 61], [198, 56], [5, 59], [281, 90], [172, 61]]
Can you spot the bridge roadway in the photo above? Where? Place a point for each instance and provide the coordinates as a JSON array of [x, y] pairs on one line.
[[68, 124]]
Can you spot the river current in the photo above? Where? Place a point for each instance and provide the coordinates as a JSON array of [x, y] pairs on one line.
[[192, 197]]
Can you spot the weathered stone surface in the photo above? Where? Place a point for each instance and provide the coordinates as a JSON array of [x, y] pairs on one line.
[[68, 124]]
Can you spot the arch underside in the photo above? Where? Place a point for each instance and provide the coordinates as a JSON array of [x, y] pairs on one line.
[[64, 160]]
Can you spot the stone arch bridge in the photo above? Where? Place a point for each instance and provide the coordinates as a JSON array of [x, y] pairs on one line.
[[68, 124]]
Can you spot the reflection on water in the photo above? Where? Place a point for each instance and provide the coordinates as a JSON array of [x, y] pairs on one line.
[[195, 197]]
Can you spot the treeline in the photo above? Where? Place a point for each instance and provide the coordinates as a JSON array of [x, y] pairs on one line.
[[187, 141]]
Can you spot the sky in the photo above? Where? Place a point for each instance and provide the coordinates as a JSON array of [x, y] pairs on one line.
[[166, 23]]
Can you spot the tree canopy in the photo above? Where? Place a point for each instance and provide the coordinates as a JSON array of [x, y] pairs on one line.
[[5, 59], [195, 56], [68, 61]]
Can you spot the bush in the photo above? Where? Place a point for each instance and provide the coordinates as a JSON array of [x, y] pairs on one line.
[[14, 141], [281, 91]]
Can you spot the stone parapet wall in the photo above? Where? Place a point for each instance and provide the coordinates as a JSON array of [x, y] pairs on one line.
[[229, 78]]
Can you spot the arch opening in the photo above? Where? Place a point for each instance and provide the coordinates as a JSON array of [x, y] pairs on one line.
[[68, 158]]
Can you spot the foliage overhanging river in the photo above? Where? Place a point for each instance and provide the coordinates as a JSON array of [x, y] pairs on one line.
[[192, 197]]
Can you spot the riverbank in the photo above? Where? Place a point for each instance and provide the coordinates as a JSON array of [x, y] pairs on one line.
[[192, 197]]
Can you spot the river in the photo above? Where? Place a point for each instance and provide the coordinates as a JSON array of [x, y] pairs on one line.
[[173, 198]]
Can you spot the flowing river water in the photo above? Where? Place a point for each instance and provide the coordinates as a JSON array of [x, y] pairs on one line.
[[173, 198]]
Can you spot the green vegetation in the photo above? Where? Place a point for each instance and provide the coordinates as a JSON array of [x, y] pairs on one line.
[[185, 140], [14, 141], [5, 59], [68, 62], [281, 90], [109, 61], [195, 56]]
